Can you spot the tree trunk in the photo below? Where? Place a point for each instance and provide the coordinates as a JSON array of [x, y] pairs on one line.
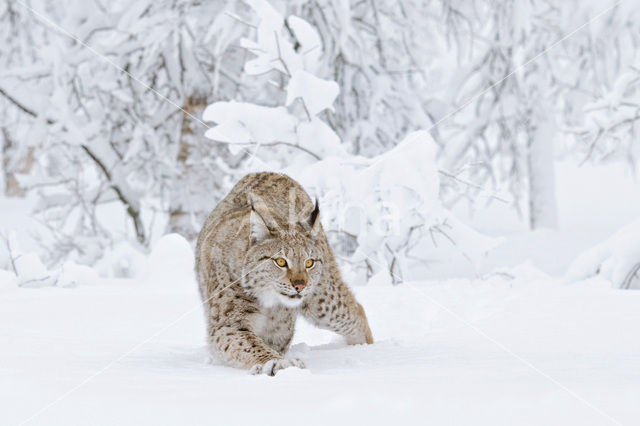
[[541, 164], [180, 214], [9, 182]]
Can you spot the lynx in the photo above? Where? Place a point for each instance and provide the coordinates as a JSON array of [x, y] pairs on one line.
[[262, 258]]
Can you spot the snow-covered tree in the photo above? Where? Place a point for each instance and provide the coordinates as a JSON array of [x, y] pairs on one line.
[[102, 105], [383, 212], [117, 91]]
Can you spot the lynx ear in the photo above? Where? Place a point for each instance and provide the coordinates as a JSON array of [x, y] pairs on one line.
[[258, 227], [314, 218]]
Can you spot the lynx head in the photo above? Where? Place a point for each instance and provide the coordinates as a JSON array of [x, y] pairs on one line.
[[284, 260]]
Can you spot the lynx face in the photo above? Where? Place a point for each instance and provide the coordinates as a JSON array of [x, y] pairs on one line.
[[282, 267]]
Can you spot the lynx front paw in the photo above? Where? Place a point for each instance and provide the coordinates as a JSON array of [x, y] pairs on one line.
[[271, 367]]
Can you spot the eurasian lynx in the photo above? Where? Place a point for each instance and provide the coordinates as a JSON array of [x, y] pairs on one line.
[[262, 258]]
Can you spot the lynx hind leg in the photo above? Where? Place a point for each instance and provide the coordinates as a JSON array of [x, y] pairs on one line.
[[333, 307]]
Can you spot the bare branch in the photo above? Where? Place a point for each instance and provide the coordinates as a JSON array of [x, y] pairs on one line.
[[133, 212]]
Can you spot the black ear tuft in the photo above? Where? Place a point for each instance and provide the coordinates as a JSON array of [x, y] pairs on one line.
[[313, 218]]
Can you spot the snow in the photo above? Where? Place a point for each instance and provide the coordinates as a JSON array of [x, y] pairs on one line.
[[170, 261], [391, 204], [310, 133], [316, 93], [120, 261], [8, 280], [589, 213], [272, 51], [29, 269], [73, 275], [616, 259], [524, 352], [520, 345], [241, 123], [31, 272], [310, 42]]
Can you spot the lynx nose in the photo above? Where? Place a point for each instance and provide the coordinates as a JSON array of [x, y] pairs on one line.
[[299, 285]]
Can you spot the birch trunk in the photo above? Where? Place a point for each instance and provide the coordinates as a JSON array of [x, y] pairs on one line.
[[541, 164]]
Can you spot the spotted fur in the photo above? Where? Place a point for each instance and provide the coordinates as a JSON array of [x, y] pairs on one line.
[[251, 303]]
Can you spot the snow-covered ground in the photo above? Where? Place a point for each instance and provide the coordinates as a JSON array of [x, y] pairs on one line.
[[452, 352], [520, 345]]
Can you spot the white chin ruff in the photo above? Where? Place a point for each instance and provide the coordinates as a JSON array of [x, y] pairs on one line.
[[270, 298], [287, 301]]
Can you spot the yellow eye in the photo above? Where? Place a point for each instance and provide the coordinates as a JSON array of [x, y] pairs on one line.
[[309, 263], [281, 262]]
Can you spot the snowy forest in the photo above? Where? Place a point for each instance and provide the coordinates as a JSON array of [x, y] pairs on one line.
[[475, 163]]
